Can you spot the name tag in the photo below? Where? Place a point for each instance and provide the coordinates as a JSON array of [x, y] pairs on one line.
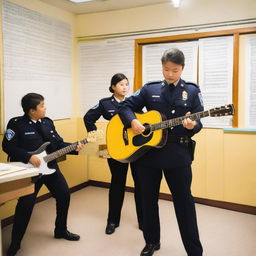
[[111, 110], [29, 133], [155, 96]]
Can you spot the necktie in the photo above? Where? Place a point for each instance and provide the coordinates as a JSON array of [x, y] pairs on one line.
[[172, 86], [171, 93], [39, 128]]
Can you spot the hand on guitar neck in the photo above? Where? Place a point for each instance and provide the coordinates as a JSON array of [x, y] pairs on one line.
[[188, 123], [79, 146], [138, 128]]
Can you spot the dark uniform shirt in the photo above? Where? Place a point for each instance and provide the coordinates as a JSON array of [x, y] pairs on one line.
[[172, 101], [23, 136], [107, 107]]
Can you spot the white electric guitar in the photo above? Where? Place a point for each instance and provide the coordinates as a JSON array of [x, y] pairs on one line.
[[45, 158]]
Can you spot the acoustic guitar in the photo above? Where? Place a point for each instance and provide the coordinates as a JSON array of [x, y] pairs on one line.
[[126, 146]]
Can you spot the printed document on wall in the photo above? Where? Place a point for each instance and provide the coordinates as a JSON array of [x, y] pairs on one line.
[[98, 62], [250, 81], [151, 60], [37, 58], [216, 76]]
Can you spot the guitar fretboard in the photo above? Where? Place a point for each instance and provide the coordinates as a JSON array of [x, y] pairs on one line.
[[63, 151], [177, 121]]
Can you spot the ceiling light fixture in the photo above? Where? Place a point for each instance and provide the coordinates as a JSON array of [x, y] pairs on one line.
[[80, 1], [176, 3]]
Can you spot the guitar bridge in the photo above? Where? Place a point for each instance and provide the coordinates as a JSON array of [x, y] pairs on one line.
[[125, 136]]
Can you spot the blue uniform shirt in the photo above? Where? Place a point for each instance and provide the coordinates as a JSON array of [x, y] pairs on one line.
[[22, 136], [107, 107], [172, 101]]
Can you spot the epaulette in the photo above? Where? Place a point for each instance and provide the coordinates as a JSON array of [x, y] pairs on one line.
[[107, 98], [47, 118], [153, 82], [196, 85], [15, 119]]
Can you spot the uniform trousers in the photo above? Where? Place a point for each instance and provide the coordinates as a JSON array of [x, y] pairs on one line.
[[117, 191], [59, 189], [179, 182]]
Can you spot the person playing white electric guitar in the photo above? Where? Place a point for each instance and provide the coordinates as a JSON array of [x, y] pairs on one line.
[[24, 135]]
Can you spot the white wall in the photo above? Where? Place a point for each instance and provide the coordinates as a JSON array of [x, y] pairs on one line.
[[191, 12]]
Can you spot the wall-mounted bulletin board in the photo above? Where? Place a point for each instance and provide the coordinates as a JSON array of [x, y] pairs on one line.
[[37, 55], [250, 80], [98, 62]]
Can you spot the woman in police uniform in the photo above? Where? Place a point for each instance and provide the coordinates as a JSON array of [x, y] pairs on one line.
[[25, 134], [108, 107], [174, 98]]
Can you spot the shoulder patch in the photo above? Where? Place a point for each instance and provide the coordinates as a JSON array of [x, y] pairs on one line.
[[96, 106], [201, 99], [9, 134], [136, 93]]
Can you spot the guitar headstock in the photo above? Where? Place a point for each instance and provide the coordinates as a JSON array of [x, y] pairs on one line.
[[226, 110], [94, 135]]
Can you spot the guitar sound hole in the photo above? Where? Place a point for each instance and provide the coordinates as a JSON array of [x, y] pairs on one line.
[[147, 130]]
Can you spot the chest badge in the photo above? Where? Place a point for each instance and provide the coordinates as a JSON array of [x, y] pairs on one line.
[[184, 95]]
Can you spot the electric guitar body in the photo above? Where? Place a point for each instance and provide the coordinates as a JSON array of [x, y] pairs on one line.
[[45, 158], [41, 153]]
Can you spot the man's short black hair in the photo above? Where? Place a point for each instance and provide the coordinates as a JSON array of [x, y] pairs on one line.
[[30, 101], [116, 79], [173, 55]]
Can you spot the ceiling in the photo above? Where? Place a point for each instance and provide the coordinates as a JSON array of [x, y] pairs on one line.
[[101, 5]]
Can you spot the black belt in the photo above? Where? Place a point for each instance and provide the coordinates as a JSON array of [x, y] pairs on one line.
[[180, 140]]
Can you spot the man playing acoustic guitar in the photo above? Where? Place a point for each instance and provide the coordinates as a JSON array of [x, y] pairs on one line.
[[27, 133], [172, 97]]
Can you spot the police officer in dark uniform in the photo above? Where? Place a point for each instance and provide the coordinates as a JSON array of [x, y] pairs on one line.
[[26, 134], [107, 108], [172, 97]]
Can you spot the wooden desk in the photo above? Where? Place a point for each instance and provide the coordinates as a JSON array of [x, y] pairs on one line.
[[15, 185]]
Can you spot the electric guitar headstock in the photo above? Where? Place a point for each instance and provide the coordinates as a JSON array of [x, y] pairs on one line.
[[226, 110]]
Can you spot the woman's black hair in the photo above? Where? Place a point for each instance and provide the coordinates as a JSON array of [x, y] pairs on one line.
[[30, 101], [174, 55], [116, 79]]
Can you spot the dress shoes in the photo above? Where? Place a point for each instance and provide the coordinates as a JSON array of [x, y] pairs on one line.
[[149, 249], [12, 250], [66, 235], [110, 228]]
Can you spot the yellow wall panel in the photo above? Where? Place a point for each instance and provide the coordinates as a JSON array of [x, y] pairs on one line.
[[240, 168], [214, 163]]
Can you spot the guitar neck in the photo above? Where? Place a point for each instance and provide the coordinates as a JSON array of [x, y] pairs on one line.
[[177, 121], [63, 151]]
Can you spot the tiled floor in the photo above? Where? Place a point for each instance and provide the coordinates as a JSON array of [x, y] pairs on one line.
[[223, 232]]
